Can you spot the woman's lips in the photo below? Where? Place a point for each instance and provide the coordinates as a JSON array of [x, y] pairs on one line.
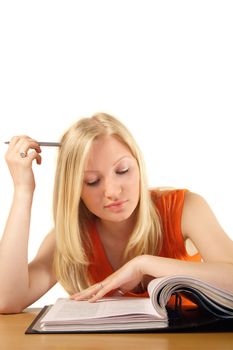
[[115, 205]]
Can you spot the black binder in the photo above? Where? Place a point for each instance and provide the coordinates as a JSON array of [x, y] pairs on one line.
[[181, 320]]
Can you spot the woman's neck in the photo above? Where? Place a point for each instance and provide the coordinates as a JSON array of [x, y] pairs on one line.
[[114, 237], [117, 230]]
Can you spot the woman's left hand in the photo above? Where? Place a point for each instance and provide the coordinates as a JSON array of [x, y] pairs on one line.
[[125, 279]]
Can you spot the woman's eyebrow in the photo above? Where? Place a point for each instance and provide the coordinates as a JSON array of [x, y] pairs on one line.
[[117, 161], [91, 171], [121, 159]]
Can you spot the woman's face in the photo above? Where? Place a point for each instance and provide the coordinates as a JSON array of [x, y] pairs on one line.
[[111, 180]]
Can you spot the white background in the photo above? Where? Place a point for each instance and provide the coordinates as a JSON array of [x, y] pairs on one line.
[[163, 67]]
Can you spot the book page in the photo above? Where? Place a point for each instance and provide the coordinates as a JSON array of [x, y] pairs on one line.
[[161, 289], [67, 309]]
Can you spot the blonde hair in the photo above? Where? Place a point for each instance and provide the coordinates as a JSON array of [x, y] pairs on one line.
[[73, 219]]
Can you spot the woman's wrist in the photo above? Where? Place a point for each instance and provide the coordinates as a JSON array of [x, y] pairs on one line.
[[23, 193], [144, 264]]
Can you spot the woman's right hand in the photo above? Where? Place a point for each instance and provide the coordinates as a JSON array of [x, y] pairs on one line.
[[21, 153]]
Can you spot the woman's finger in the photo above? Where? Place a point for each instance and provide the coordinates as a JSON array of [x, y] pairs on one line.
[[23, 144], [26, 144], [88, 293], [96, 292], [34, 155]]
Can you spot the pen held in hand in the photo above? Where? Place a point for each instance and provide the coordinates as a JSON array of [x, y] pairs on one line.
[[48, 144]]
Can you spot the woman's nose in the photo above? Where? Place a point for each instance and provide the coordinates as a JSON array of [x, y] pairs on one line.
[[112, 189]]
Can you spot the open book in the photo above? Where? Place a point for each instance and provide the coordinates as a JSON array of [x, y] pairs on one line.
[[127, 314]]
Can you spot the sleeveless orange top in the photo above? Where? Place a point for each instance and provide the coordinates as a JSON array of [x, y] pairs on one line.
[[169, 205]]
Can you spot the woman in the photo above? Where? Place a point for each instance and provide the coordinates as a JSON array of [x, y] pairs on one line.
[[111, 234]]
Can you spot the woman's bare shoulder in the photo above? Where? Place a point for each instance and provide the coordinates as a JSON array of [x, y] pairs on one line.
[[201, 226]]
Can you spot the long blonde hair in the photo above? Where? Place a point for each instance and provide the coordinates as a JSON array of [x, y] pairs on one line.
[[72, 218]]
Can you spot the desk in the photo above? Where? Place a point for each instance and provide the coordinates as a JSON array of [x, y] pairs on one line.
[[12, 337]]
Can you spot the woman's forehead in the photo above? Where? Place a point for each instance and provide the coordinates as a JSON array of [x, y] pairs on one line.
[[106, 149]]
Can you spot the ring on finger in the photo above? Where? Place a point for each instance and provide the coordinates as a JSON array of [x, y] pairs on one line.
[[100, 285], [23, 154], [121, 291]]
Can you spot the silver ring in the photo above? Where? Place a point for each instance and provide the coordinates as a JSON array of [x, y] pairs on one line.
[[23, 154], [121, 291], [100, 285]]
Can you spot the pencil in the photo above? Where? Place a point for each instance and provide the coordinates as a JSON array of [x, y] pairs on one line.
[[48, 144]]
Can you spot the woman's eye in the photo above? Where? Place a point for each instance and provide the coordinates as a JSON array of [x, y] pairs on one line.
[[92, 183], [123, 171]]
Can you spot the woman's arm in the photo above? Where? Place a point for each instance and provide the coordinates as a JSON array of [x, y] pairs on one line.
[[201, 227], [16, 277]]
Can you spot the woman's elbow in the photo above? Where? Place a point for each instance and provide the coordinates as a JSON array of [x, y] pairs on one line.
[[10, 308]]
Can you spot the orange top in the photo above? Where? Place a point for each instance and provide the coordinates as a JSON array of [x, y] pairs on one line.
[[169, 205]]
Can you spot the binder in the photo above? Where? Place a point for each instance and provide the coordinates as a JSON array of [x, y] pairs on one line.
[[182, 319]]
